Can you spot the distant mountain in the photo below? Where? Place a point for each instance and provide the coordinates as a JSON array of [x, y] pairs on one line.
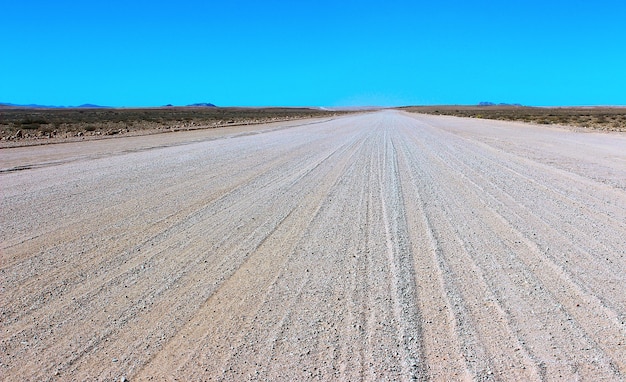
[[32, 106], [91, 106], [6, 105], [35, 106], [498, 104], [204, 104]]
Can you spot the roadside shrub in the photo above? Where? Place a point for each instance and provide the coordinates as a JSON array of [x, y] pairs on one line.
[[30, 123]]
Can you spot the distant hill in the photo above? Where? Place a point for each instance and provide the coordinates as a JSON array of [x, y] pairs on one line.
[[32, 106], [498, 104], [7, 105], [92, 106], [35, 106], [203, 104]]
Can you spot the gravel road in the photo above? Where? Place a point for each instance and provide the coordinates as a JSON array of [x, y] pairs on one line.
[[379, 246]]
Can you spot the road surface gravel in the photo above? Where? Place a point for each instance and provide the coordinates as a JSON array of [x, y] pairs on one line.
[[378, 246]]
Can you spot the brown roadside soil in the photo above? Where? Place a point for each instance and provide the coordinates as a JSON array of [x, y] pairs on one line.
[[579, 118], [379, 246], [40, 126]]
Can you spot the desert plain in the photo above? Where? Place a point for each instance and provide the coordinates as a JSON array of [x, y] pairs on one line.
[[371, 246]]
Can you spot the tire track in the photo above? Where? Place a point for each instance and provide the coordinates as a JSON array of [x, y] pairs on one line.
[[611, 337], [401, 264], [488, 349], [262, 262], [440, 334]]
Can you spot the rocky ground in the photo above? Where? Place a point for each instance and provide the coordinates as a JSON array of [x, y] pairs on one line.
[[380, 246]]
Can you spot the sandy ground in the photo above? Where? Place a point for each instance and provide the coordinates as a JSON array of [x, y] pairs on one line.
[[383, 246]]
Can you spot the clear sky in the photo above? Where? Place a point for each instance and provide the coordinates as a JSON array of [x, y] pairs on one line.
[[312, 53]]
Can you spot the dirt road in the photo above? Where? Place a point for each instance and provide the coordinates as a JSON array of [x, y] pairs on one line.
[[381, 246]]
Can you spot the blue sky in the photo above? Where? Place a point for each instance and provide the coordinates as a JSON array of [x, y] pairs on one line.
[[312, 53]]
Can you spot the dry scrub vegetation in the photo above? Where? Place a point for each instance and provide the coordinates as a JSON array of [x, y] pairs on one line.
[[597, 118], [21, 126]]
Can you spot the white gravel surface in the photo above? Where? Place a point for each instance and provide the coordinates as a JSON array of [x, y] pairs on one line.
[[380, 246]]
